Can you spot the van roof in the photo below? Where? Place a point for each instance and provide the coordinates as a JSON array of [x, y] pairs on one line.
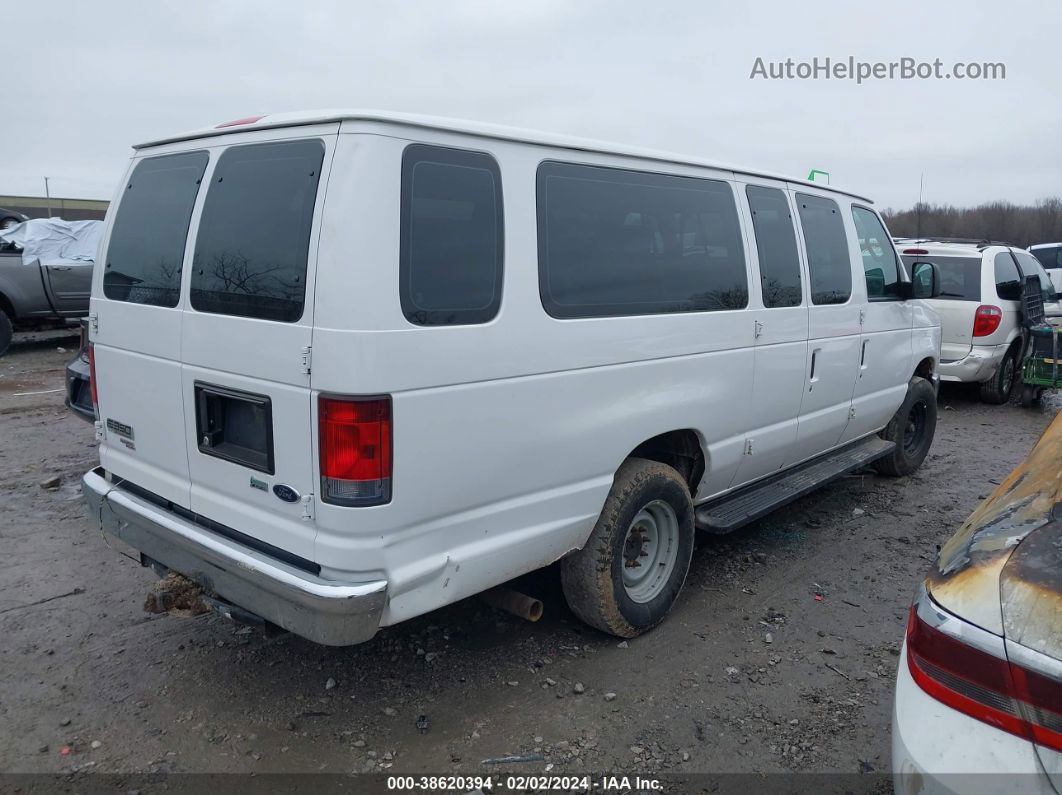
[[1044, 245], [479, 129]]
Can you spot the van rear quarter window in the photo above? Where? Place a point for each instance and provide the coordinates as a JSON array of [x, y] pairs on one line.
[[960, 277], [829, 264], [253, 242], [613, 242], [451, 251], [146, 248]]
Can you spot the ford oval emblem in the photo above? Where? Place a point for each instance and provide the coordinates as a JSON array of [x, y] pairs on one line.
[[286, 493]]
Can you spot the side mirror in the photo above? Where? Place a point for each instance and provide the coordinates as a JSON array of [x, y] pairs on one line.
[[925, 280]]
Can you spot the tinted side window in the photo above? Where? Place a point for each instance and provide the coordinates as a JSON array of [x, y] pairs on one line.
[[450, 259], [614, 242], [1030, 266], [829, 265], [1008, 280], [776, 246], [254, 236], [880, 266], [1050, 257], [146, 249]]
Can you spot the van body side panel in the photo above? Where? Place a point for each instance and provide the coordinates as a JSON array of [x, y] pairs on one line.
[[507, 434], [885, 363], [780, 360], [832, 360]]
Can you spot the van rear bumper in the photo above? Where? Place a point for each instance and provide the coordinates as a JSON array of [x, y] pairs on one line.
[[324, 611], [978, 365]]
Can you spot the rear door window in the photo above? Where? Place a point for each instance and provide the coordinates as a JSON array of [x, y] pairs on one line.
[[146, 248], [776, 246], [254, 236], [1008, 280], [450, 258], [881, 266], [829, 264], [1030, 266], [960, 277]]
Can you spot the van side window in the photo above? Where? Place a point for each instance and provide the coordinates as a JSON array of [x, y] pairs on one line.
[[1030, 266], [776, 246], [254, 236], [829, 265], [880, 267], [613, 242], [146, 249], [452, 236], [1008, 280]]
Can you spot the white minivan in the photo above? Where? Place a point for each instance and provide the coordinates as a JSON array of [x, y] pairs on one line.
[[349, 367]]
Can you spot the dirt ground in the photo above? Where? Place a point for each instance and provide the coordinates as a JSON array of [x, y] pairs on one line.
[[751, 673]]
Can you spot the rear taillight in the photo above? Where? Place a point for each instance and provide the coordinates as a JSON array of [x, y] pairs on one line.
[[986, 320], [92, 379], [965, 667], [915, 251], [355, 442]]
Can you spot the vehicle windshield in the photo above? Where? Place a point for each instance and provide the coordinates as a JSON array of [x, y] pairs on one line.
[[1050, 257], [960, 277]]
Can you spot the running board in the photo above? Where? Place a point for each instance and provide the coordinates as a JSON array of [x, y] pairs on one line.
[[751, 502]]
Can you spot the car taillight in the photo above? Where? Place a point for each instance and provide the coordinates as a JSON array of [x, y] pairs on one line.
[[965, 667], [92, 379], [355, 444], [986, 320]]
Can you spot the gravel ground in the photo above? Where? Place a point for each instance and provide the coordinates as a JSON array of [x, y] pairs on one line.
[[752, 672]]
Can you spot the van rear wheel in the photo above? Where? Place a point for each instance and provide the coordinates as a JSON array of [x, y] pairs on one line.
[[997, 390], [628, 574], [911, 429]]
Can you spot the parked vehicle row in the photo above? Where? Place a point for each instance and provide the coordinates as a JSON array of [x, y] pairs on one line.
[[353, 367]]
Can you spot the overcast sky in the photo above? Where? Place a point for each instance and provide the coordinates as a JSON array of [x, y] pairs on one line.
[[83, 81]]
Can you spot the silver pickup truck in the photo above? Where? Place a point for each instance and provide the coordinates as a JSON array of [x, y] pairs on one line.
[[40, 292]]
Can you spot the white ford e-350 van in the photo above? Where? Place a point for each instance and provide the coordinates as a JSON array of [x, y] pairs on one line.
[[350, 367]]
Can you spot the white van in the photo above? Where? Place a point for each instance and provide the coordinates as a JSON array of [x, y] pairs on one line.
[[350, 367]]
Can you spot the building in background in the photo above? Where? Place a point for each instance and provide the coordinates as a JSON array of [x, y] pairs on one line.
[[70, 209]]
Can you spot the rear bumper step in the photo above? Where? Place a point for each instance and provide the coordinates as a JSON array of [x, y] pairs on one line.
[[324, 611], [750, 503]]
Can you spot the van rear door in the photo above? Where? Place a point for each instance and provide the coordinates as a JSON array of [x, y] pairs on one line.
[[137, 341], [246, 336]]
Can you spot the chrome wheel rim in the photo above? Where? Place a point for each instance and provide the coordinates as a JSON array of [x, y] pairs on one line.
[[650, 551]]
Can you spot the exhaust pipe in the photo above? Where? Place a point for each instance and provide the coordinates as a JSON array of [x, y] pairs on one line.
[[520, 605]]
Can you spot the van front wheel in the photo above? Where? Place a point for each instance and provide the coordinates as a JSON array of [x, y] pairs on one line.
[[911, 429], [628, 574]]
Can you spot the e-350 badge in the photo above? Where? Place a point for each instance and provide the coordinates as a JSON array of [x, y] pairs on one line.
[[123, 432]]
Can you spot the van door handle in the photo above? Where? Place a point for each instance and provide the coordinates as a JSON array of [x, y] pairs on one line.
[[811, 375], [863, 356]]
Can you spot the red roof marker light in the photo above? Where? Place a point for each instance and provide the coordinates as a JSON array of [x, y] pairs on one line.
[[238, 122]]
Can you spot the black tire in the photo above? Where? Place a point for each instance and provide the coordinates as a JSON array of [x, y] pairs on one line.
[[911, 429], [1030, 396], [998, 389], [6, 332], [592, 577]]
